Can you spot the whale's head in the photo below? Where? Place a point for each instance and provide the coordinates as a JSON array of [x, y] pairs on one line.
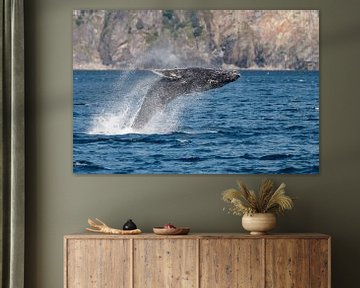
[[214, 78]]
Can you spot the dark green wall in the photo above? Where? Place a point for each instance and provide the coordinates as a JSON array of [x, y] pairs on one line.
[[59, 202]]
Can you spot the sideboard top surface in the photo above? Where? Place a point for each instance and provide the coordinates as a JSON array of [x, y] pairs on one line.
[[86, 235]]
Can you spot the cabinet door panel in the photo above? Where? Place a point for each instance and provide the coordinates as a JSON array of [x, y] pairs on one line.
[[98, 263], [165, 263], [231, 263], [319, 263], [287, 263]]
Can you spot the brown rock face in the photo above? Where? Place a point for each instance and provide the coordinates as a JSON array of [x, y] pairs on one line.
[[136, 39]]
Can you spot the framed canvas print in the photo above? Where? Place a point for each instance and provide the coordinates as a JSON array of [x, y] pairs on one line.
[[195, 91]]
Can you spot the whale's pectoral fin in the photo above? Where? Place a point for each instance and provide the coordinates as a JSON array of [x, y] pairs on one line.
[[170, 74]]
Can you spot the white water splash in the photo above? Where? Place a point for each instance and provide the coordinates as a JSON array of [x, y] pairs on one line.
[[118, 118]]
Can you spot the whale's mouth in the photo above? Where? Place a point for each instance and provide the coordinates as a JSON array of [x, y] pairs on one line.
[[234, 75]]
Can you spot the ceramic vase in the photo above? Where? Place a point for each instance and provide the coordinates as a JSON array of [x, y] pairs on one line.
[[259, 223]]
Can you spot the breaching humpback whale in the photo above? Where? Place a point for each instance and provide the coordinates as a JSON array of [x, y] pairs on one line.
[[177, 82]]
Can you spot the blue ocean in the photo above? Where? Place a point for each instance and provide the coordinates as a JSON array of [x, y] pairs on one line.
[[266, 122]]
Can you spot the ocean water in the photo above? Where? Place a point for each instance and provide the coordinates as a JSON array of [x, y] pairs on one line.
[[266, 122]]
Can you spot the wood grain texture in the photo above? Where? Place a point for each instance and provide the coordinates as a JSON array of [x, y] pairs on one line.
[[66, 262], [165, 263], [88, 235], [231, 263], [287, 263], [319, 263], [197, 260], [98, 263]]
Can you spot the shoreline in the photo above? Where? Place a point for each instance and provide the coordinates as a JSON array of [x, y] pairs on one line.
[[240, 69], [99, 68]]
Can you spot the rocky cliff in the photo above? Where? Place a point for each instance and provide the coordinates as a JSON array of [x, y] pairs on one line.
[[270, 39]]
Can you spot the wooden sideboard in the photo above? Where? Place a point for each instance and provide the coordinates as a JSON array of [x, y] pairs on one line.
[[197, 260]]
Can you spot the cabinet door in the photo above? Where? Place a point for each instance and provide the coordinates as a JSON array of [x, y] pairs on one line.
[[287, 263], [231, 263], [320, 263], [165, 263], [98, 263]]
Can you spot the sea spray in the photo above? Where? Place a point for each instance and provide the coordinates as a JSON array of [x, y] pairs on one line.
[[117, 117]]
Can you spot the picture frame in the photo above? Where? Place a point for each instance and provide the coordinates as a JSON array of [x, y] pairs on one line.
[[195, 91]]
